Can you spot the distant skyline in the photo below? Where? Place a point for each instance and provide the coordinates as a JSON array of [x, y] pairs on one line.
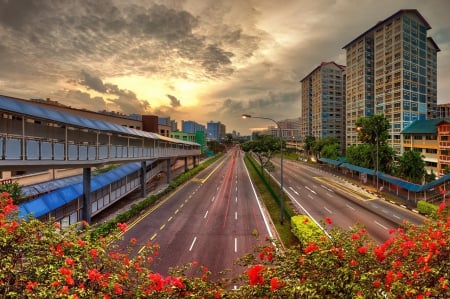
[[194, 60]]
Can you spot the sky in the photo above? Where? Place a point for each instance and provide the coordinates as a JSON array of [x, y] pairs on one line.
[[200, 60]]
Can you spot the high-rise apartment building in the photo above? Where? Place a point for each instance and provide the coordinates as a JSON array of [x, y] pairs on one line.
[[189, 126], [215, 131], [391, 70], [323, 102]]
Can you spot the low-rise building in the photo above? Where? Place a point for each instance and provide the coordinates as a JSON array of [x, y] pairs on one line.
[[431, 138]]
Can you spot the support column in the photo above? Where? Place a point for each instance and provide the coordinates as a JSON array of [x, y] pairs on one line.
[[87, 208], [143, 180], [194, 162], [168, 171], [186, 168]]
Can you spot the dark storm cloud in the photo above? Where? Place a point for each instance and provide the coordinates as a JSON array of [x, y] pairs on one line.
[[126, 100], [16, 14], [276, 105], [174, 102], [92, 82], [162, 22], [48, 37], [214, 58]]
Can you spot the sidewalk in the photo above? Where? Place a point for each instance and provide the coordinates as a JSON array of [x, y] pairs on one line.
[[384, 192]]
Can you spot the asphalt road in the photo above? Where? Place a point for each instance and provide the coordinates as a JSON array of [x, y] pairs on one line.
[[213, 219], [321, 194]]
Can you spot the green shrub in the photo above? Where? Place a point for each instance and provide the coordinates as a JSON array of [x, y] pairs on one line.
[[305, 229], [426, 208]]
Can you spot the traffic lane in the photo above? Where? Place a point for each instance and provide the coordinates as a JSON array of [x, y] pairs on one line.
[[384, 208], [318, 198], [180, 238], [232, 225], [149, 222], [212, 234], [343, 214], [395, 212], [147, 225]]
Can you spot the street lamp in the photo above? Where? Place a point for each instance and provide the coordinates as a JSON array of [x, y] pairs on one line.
[[281, 161]]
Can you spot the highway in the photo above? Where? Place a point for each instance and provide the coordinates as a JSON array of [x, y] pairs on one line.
[[321, 194], [213, 220]]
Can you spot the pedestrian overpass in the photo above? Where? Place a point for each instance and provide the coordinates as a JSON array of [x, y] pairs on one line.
[[33, 137]]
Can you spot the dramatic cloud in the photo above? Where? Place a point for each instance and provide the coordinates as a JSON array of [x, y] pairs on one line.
[[222, 58], [174, 102]]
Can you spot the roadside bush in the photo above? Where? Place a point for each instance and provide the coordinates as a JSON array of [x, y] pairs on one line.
[[305, 229], [426, 208]]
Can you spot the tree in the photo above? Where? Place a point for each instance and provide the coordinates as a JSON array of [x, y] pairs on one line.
[[14, 190], [411, 166], [328, 146], [309, 144], [357, 155], [264, 147], [373, 130]]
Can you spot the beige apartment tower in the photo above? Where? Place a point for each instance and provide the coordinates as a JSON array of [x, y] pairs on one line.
[[391, 70], [323, 102]]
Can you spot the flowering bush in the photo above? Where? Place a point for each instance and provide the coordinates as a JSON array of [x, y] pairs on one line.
[[39, 260]]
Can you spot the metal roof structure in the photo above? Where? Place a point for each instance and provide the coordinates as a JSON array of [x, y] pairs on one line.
[[35, 111], [45, 187], [388, 178], [428, 126], [53, 200], [358, 168]]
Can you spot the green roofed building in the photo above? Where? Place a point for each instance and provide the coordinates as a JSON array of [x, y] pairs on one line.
[[432, 139]]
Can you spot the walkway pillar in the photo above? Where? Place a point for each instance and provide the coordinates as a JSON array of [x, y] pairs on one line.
[[87, 208], [186, 168], [143, 179], [168, 171]]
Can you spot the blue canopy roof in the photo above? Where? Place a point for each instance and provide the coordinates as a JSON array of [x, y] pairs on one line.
[[27, 108], [358, 168], [330, 161], [391, 179], [53, 200]]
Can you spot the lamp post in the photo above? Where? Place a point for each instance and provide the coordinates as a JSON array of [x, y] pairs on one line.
[[281, 161]]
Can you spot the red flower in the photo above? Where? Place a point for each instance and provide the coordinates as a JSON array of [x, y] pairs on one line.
[[311, 247], [93, 252], [328, 220], [254, 274], [353, 263], [94, 274], [31, 285], [362, 250], [65, 271], [157, 280], [275, 284], [376, 283], [117, 289], [122, 226], [70, 262]]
